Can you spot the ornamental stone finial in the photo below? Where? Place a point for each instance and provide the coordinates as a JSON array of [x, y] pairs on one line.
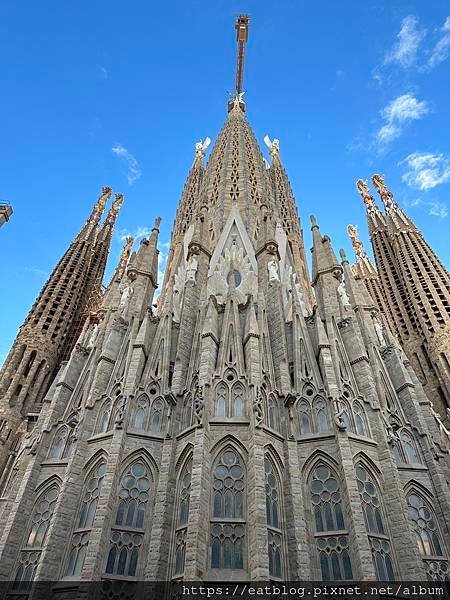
[[157, 223], [352, 231], [385, 195], [363, 188], [99, 206]]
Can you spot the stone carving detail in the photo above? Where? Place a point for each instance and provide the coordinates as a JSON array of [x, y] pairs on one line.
[[191, 268], [120, 415], [273, 145], [385, 194], [379, 331], [272, 267], [343, 296], [234, 270], [258, 408], [199, 407], [126, 293], [363, 188], [201, 146]]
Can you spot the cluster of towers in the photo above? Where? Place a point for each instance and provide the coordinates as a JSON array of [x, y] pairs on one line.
[[260, 424]]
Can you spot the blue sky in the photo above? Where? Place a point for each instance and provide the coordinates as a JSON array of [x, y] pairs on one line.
[[96, 93]]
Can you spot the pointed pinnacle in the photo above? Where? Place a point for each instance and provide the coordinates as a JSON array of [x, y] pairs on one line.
[[385, 195]]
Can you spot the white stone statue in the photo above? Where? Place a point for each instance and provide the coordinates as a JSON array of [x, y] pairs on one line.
[[273, 145], [127, 292], [201, 146], [272, 267], [345, 300], [191, 269], [379, 332], [92, 337]]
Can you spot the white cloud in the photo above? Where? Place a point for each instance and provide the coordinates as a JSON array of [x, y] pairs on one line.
[[139, 233], [103, 72], [397, 113], [441, 50], [425, 171], [36, 271], [433, 207], [409, 37], [134, 171]]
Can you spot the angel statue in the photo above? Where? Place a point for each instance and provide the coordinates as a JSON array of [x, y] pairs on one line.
[[342, 292], [201, 146], [274, 145], [127, 292], [272, 267]]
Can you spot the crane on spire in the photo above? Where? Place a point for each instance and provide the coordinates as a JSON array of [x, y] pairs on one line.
[[241, 27]]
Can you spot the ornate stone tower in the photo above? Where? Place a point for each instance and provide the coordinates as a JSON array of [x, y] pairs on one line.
[[46, 336], [238, 432], [414, 291]]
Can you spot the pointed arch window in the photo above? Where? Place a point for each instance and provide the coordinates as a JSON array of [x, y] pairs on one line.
[[274, 524], [331, 534], [304, 417], [141, 413], [409, 447], [186, 419], [184, 496], [127, 533], [373, 516], [312, 412], [156, 415], [221, 400], [359, 415], [85, 520], [41, 517], [228, 522], [429, 539], [61, 445], [320, 414], [237, 398], [272, 413], [104, 422]]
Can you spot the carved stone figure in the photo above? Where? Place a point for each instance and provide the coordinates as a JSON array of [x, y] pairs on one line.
[[272, 267], [125, 298], [92, 337], [379, 331], [273, 145], [201, 146], [342, 292], [258, 408], [199, 407], [191, 268]]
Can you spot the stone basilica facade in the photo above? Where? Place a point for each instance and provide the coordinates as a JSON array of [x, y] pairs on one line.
[[258, 424]]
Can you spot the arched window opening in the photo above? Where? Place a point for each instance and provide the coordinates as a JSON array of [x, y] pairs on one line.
[[228, 512], [41, 517], [378, 538], [360, 419], [320, 414], [331, 534], [156, 415], [127, 534], [409, 447], [274, 525], [104, 420], [425, 526], [186, 418], [237, 400], [272, 413], [304, 417], [140, 418], [221, 400], [184, 495], [85, 520], [61, 445]]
